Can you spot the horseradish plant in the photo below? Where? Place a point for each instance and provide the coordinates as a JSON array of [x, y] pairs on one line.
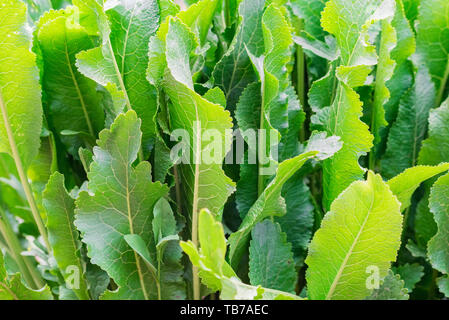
[[240, 149]]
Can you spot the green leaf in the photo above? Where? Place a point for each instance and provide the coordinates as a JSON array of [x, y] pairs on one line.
[[63, 236], [406, 43], [310, 11], [443, 285], [431, 47], [205, 185], [392, 288], [385, 69], [215, 272], [270, 202], [435, 148], [211, 257], [404, 185], [248, 106], [199, 17], [411, 274], [298, 221], [437, 249], [139, 246], [120, 202], [21, 114], [169, 253], [425, 226], [14, 289], [120, 62], [408, 132], [72, 100], [271, 262], [349, 22], [362, 229], [234, 71], [234, 289]]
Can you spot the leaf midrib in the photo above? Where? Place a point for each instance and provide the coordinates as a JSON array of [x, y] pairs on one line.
[[75, 83]]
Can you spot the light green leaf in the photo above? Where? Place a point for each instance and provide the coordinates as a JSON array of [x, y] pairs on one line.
[[20, 91], [404, 185], [199, 17], [437, 248], [211, 257], [234, 289], [271, 262], [362, 229], [72, 100], [120, 202], [385, 69], [215, 272], [349, 22], [406, 43], [120, 62], [62, 234]]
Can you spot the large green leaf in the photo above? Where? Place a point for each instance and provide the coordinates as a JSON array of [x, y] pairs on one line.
[[271, 262], [72, 100], [120, 202], [204, 183], [349, 22], [408, 132], [120, 62], [20, 91], [63, 236], [361, 230], [432, 48]]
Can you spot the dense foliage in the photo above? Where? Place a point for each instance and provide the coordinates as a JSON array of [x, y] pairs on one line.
[[128, 128]]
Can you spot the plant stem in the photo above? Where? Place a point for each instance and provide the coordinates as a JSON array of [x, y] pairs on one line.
[[227, 12], [261, 145], [28, 271], [22, 175], [443, 85], [197, 155]]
